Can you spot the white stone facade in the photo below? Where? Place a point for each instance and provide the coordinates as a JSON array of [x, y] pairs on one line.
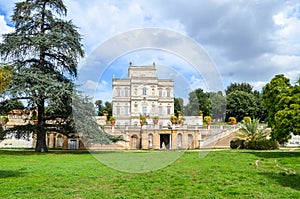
[[142, 93]]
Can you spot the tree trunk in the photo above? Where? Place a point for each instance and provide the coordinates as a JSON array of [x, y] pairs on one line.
[[41, 145], [41, 141]]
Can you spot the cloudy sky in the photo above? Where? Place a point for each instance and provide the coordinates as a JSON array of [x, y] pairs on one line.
[[246, 41]]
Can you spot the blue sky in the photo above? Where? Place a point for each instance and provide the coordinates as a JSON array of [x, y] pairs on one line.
[[247, 41]]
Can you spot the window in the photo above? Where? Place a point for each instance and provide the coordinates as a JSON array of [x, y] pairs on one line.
[[126, 110], [118, 111], [160, 111], [160, 93], [168, 111], [118, 92], [144, 91], [168, 93], [126, 92], [144, 110]]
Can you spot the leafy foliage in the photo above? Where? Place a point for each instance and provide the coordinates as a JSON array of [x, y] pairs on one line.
[[283, 103], [218, 105], [199, 100], [240, 104], [262, 144], [5, 77], [245, 87], [272, 94], [178, 105], [43, 51]]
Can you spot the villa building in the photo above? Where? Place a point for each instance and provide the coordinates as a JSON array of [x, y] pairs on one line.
[[142, 93]]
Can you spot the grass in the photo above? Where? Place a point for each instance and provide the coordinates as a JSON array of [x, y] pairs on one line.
[[220, 174]]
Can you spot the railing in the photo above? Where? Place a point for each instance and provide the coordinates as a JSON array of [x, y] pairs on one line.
[[213, 129]]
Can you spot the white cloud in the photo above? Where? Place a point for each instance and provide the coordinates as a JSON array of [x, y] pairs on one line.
[[4, 27], [249, 41]]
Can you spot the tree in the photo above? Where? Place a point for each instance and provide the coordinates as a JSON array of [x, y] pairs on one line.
[[99, 107], [282, 101], [240, 104], [178, 105], [198, 100], [108, 107], [271, 96], [261, 113], [287, 117], [5, 107], [218, 105], [44, 52], [5, 77], [239, 87]]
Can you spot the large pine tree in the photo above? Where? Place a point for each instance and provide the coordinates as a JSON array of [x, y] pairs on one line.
[[43, 51]]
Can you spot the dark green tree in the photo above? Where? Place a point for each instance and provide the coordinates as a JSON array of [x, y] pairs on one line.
[[108, 107], [286, 108], [178, 105], [99, 107], [5, 107], [198, 100], [44, 51], [272, 94], [240, 104], [261, 113], [239, 87]]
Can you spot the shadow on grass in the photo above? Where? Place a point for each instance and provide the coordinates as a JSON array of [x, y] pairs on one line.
[[32, 152], [9, 173], [284, 179], [275, 154]]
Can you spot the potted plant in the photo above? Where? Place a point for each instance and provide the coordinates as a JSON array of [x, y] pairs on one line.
[[181, 120], [155, 120], [4, 119], [112, 120], [34, 117], [207, 119], [173, 119], [232, 120], [143, 119]]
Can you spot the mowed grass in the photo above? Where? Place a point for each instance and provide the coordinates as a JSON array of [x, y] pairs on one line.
[[220, 174]]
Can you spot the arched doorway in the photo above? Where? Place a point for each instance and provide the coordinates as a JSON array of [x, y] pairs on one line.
[[134, 144], [59, 141], [150, 141], [179, 140], [190, 141], [165, 141]]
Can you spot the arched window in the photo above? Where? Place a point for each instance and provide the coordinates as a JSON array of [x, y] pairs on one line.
[[190, 141], [179, 140], [150, 141]]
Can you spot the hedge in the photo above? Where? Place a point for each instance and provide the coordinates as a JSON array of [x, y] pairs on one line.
[[254, 144]]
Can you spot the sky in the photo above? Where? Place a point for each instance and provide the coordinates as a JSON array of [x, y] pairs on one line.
[[238, 41]]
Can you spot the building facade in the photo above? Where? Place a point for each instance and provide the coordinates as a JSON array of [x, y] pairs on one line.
[[142, 93]]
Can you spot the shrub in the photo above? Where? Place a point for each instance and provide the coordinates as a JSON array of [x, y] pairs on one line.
[[237, 144], [263, 144]]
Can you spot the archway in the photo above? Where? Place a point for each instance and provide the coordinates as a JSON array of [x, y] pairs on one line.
[[179, 140], [190, 141], [165, 141], [134, 144]]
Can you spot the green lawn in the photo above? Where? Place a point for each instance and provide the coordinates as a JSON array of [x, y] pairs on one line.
[[219, 174]]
